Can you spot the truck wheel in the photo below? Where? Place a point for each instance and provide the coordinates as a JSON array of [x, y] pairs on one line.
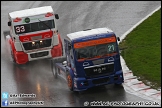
[[54, 69], [5, 33], [12, 56], [70, 82], [56, 72]]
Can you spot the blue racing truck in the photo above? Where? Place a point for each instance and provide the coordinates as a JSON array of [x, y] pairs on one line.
[[91, 59]]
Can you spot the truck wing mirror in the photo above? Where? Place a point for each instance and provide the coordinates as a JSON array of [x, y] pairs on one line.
[[56, 16], [9, 23], [118, 38]]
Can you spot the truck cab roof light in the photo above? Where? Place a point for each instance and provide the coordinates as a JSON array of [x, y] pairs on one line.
[[17, 19], [48, 14]]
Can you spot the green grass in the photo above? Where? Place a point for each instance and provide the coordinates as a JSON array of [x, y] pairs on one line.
[[142, 50]]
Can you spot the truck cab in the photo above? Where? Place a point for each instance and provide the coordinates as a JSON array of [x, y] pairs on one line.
[[33, 35], [92, 59]]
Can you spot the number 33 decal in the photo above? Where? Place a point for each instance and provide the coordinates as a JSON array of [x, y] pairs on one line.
[[20, 29]]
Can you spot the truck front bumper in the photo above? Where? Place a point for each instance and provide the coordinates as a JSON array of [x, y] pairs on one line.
[[81, 84], [22, 57]]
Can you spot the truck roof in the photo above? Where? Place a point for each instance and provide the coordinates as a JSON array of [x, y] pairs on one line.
[[85, 33], [31, 12]]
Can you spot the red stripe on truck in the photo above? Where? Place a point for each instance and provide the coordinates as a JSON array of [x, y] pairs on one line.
[[36, 36]]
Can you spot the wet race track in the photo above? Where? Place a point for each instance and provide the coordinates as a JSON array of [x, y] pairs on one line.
[[36, 77]]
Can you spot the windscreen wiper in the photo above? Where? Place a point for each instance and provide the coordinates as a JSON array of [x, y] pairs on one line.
[[45, 24]]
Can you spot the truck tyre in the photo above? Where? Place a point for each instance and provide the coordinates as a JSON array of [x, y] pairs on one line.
[[56, 72], [12, 56], [5, 33], [70, 81], [54, 69]]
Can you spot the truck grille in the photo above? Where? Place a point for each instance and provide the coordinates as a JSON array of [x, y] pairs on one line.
[[39, 54], [99, 70], [37, 44]]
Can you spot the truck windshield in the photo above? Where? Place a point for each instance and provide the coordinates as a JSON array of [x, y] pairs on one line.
[[32, 27], [96, 50]]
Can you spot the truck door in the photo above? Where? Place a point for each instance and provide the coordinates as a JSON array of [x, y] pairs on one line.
[[72, 59], [69, 54]]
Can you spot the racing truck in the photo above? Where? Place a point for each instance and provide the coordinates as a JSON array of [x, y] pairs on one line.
[[91, 59], [33, 35]]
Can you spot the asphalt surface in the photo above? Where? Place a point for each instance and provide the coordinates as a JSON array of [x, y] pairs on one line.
[[36, 77]]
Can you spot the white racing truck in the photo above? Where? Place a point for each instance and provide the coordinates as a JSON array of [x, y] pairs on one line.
[[33, 35]]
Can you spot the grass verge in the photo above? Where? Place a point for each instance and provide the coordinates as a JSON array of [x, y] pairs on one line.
[[142, 51]]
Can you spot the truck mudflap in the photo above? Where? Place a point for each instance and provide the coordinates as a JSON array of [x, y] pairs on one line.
[[81, 84]]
